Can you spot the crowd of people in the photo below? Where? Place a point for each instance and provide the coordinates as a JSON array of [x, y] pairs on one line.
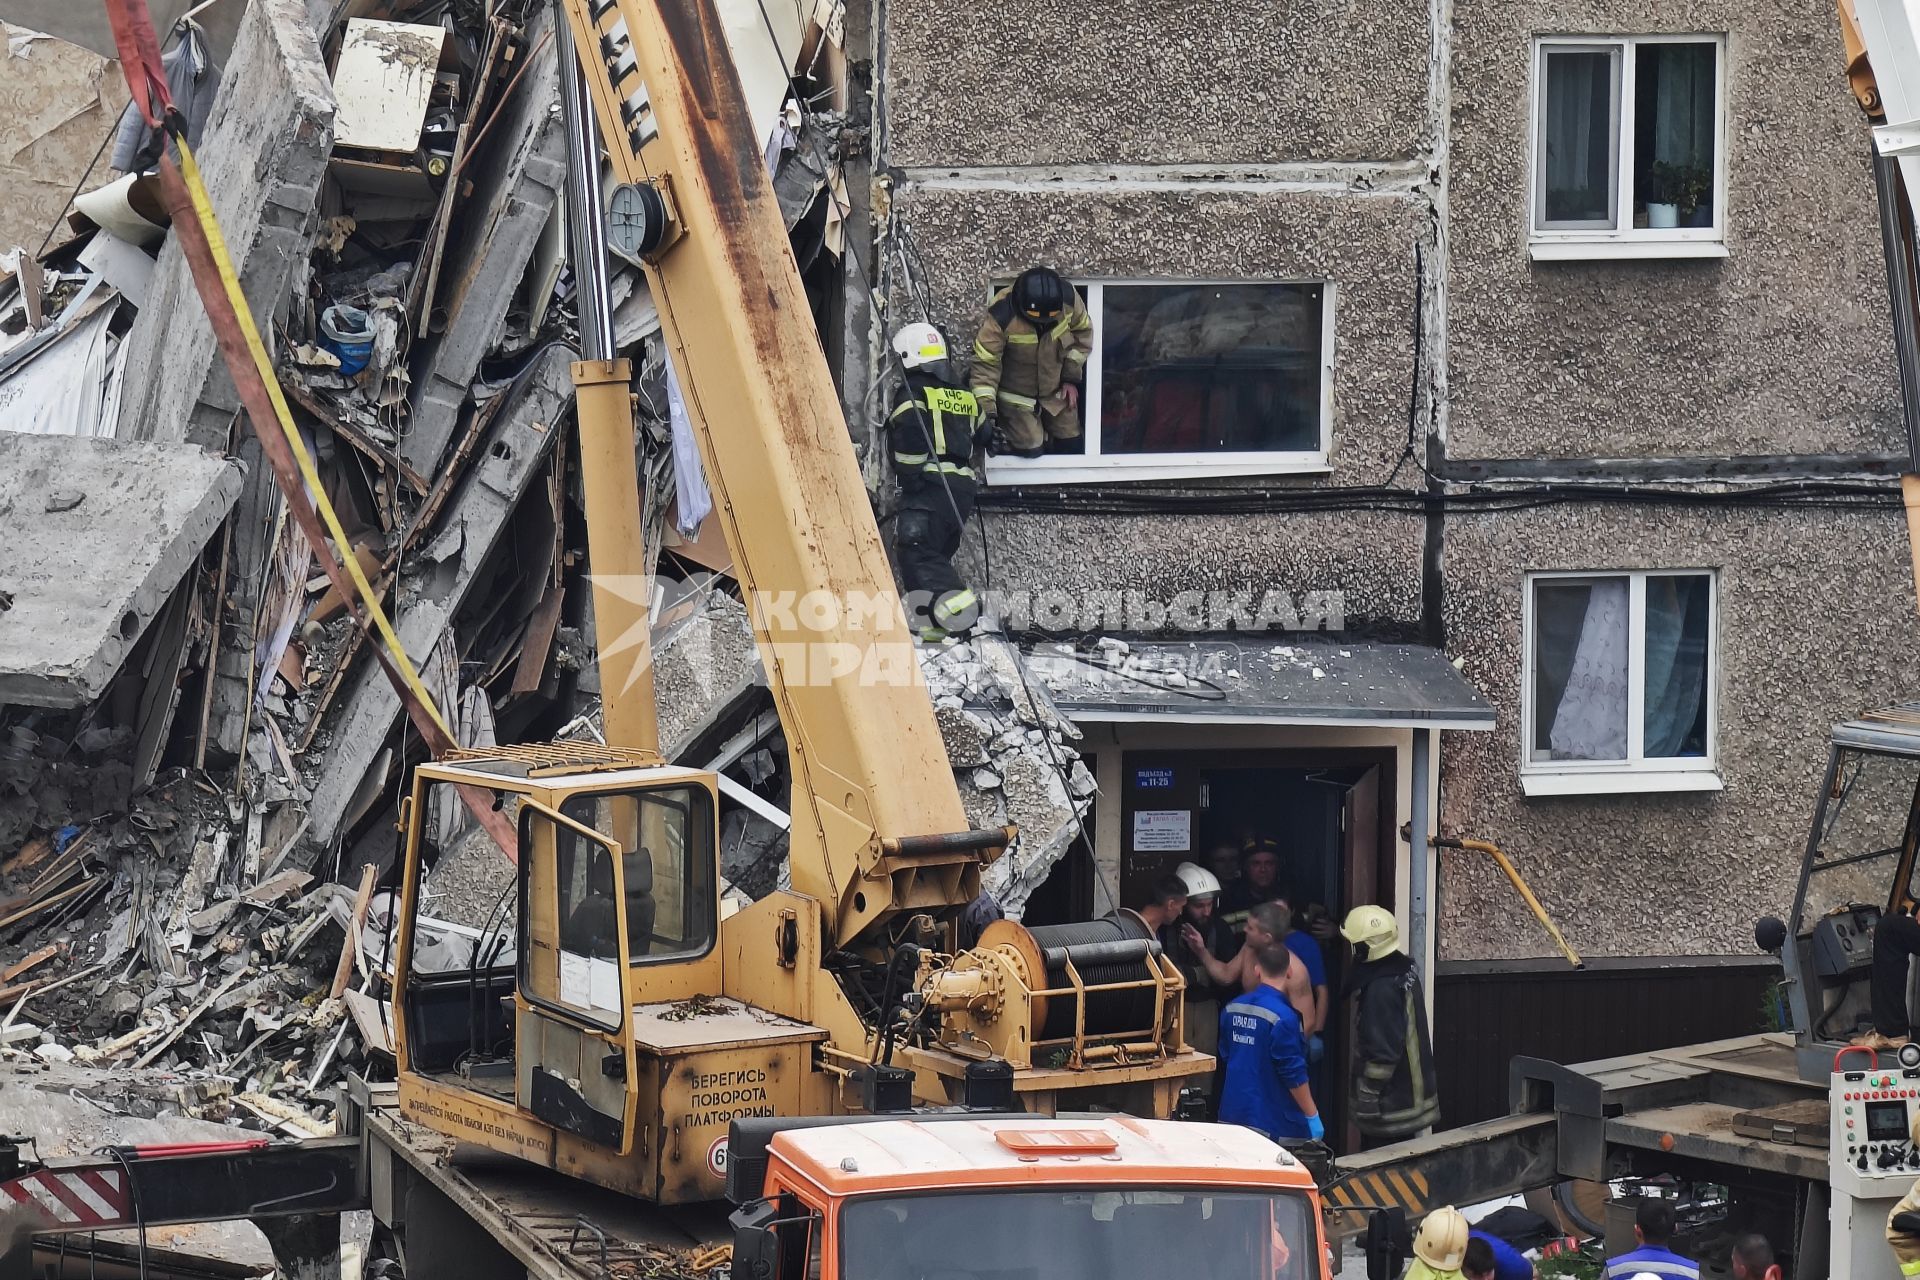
[[1446, 1247], [1258, 998]]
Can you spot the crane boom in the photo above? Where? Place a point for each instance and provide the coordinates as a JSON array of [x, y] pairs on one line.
[[868, 764]]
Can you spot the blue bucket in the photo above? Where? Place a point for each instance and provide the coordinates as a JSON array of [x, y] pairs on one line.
[[347, 332]]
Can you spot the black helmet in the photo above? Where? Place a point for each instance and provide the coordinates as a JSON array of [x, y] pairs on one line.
[[1040, 295]]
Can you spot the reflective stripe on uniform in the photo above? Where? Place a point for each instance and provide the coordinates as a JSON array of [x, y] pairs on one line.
[[957, 603], [1910, 1268], [1076, 356], [910, 459], [1023, 339], [1019, 401], [983, 355]]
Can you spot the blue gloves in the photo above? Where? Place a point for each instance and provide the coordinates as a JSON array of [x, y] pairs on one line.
[[1315, 1129]]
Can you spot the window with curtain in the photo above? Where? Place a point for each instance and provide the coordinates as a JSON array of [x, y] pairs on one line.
[[1620, 671], [1629, 146]]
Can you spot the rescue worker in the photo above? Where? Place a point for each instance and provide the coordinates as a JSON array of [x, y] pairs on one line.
[[1653, 1232], [933, 432], [1203, 995], [1029, 362], [1395, 1093], [1903, 1224], [1491, 1258], [1264, 1052], [1439, 1246]]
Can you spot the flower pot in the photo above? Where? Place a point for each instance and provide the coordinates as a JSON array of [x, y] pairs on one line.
[[1702, 216], [1663, 216]]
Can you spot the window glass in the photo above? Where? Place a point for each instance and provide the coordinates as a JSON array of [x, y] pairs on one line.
[[1861, 830], [1210, 368], [1673, 135], [1578, 138], [1079, 1234], [1621, 668], [666, 838], [1580, 669], [1677, 617], [588, 914]]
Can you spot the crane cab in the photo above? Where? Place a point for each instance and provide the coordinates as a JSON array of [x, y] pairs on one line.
[[580, 1029]]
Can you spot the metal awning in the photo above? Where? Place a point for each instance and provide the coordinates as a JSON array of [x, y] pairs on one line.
[[1318, 681]]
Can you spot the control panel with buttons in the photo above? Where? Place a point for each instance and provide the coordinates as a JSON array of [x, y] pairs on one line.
[[1871, 1148]]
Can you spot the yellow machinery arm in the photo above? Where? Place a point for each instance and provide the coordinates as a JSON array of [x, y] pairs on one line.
[[868, 766]]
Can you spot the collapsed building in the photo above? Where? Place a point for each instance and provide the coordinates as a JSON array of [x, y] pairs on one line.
[[200, 759]]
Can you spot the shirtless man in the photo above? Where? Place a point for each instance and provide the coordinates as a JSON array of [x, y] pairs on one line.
[[1267, 923]]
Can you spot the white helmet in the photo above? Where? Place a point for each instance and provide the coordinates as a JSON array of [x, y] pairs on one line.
[[919, 344], [1374, 928], [1200, 882]]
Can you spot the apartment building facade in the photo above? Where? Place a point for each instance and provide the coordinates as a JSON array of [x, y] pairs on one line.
[[1549, 341]]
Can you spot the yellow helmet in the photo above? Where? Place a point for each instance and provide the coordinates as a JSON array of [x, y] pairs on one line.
[[1374, 928], [1441, 1242]]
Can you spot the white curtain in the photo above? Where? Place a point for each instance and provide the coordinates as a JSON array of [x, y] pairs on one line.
[[1578, 128], [1683, 103], [1591, 721]]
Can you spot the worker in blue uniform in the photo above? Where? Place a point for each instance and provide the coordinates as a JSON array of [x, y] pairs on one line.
[[1265, 1053], [1491, 1258]]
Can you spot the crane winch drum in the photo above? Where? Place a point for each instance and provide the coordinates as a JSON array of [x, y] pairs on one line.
[[1066, 995]]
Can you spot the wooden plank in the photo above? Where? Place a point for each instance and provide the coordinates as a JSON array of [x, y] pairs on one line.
[[29, 961], [539, 642], [348, 949]]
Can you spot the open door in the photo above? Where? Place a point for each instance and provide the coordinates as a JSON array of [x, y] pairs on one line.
[[573, 1051], [1367, 877]]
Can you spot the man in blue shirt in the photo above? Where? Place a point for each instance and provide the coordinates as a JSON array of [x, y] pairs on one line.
[[1491, 1258], [1266, 1058], [1653, 1229]]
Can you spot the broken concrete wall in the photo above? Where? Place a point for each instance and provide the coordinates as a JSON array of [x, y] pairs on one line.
[[263, 156], [1145, 82], [1783, 347], [98, 534], [516, 182], [508, 460], [1363, 243], [1815, 615], [57, 100]]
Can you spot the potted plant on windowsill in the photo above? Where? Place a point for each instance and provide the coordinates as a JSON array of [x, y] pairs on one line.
[[1677, 194], [1665, 183], [1696, 197]]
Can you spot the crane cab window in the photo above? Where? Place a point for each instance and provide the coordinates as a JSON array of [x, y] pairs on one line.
[[666, 838]]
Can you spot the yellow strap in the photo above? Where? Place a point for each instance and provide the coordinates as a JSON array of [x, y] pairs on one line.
[[230, 281]]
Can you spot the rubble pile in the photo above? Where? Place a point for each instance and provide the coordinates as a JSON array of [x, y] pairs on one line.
[[1013, 756], [220, 966]]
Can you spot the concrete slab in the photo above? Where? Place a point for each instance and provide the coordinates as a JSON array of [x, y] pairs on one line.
[[98, 533], [264, 156], [517, 177], [508, 460]]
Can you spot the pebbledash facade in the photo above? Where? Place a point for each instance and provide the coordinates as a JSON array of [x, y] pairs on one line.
[[1534, 359]]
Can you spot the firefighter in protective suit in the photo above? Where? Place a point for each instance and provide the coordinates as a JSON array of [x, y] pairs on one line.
[[1029, 361], [1440, 1246], [1903, 1224], [933, 432]]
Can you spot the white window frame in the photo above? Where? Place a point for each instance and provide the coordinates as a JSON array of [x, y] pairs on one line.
[[1624, 240], [1637, 773], [1094, 467]]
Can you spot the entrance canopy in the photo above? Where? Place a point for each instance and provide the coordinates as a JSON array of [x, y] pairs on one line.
[[1263, 680]]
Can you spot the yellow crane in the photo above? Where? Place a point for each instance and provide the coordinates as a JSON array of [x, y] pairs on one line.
[[631, 1024]]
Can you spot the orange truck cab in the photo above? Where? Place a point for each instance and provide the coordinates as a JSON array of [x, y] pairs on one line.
[[962, 1196]]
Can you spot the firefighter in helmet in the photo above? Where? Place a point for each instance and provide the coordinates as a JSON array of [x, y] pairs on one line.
[[1029, 362], [933, 433]]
